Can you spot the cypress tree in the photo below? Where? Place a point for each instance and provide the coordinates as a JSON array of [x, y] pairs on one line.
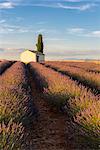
[[40, 43]]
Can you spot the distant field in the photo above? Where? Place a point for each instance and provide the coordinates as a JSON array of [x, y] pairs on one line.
[[87, 61], [67, 90]]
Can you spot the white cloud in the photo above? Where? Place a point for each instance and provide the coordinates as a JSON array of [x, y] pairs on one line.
[[6, 5], [84, 32], [50, 3], [7, 29], [80, 7], [2, 21], [96, 33], [76, 30]]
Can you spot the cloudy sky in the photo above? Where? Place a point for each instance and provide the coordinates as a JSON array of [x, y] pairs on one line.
[[71, 28]]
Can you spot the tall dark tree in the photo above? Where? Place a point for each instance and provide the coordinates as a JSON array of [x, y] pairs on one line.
[[40, 43]]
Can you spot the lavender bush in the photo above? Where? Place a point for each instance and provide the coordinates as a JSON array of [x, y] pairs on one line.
[[16, 106], [75, 99], [90, 79]]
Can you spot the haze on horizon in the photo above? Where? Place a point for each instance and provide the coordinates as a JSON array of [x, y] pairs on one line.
[[71, 28]]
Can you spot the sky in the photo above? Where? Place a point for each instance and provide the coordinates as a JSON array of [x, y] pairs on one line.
[[70, 28]]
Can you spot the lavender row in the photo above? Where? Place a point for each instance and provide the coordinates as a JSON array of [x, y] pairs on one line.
[[16, 109], [68, 96], [87, 66], [4, 65], [90, 67], [89, 79]]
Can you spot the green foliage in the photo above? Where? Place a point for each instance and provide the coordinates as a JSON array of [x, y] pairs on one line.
[[40, 43]]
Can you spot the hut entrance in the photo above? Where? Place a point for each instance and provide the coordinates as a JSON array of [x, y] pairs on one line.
[[37, 58]]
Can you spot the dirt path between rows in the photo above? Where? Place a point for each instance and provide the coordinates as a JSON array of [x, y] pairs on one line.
[[49, 131]]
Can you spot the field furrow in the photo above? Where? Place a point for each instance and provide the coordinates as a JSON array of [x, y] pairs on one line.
[[80, 104], [50, 130]]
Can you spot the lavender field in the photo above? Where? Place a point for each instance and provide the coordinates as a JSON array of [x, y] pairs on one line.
[[54, 105]]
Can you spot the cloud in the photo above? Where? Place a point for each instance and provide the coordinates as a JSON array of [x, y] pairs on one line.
[[95, 33], [72, 54], [75, 30], [81, 7], [2, 21], [6, 5], [62, 4], [84, 32], [12, 50], [6, 28]]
